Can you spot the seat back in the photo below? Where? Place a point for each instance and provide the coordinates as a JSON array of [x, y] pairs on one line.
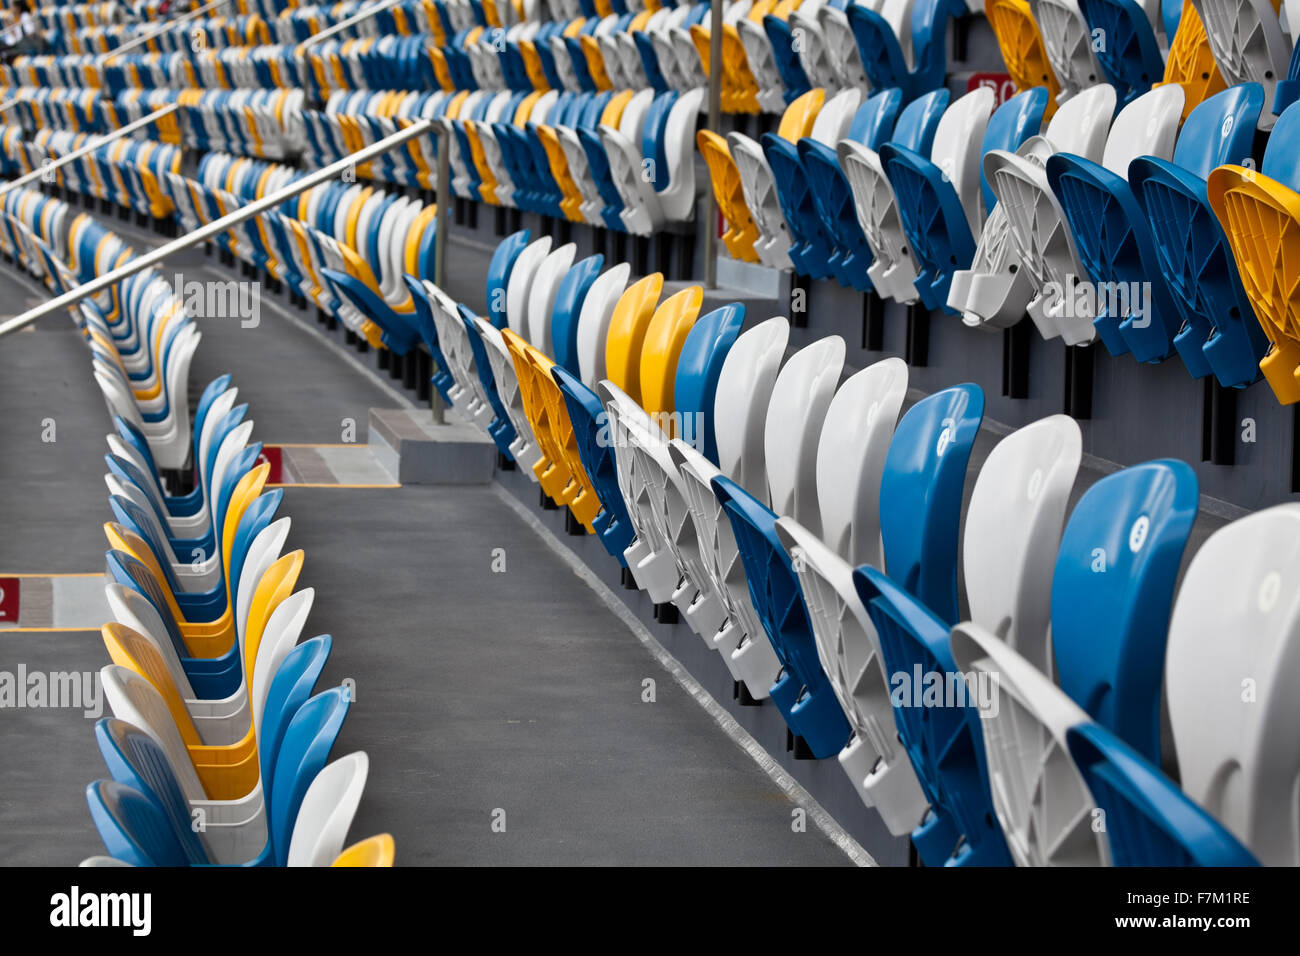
[[1148, 126], [921, 494], [567, 310], [874, 120], [795, 416], [1010, 125], [290, 688], [132, 826], [542, 292], [798, 118], [918, 122], [1112, 591], [134, 699], [593, 322], [134, 759], [627, 330], [699, 370], [1013, 530], [500, 269], [1082, 123], [1234, 645], [321, 827], [304, 750], [851, 452], [956, 150], [1220, 130], [519, 286], [664, 338]]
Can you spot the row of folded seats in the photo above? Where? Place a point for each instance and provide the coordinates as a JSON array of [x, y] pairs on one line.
[[772, 52], [250, 24], [959, 207], [810, 535], [621, 161], [374, 63], [126, 172], [290, 26], [74, 16], [350, 248], [1103, 227], [217, 748], [81, 110]]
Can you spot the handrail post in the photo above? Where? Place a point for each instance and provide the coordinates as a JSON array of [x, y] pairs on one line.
[[715, 120], [442, 131]]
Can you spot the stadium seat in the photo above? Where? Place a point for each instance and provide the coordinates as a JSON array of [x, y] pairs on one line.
[[740, 413], [1110, 599], [796, 415], [893, 269], [833, 196], [1258, 212], [1149, 821], [1231, 648], [1036, 224], [810, 245]]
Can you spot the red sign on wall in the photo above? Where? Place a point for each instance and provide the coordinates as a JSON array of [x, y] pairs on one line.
[[9, 600], [1000, 83], [271, 454]]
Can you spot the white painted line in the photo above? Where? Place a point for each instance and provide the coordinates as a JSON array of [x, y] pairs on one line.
[[738, 734]]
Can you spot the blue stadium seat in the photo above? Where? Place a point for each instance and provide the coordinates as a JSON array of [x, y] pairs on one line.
[[1220, 334], [1112, 593], [832, 194], [1149, 821]]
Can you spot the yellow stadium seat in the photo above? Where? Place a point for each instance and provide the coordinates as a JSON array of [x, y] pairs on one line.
[[1022, 48], [798, 119], [1261, 219], [727, 191], [551, 469], [627, 329], [1190, 63], [373, 851], [662, 346]]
